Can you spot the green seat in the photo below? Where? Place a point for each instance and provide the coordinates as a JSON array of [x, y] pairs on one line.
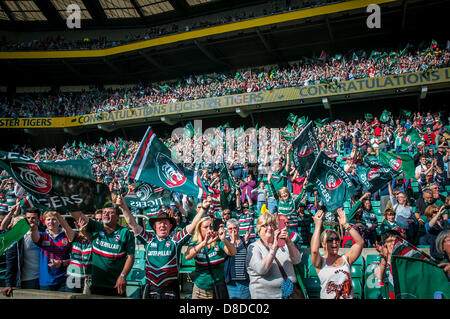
[[375, 203], [134, 290], [312, 286], [359, 261], [136, 275], [186, 266], [357, 271], [139, 254], [357, 288], [372, 290], [139, 263]]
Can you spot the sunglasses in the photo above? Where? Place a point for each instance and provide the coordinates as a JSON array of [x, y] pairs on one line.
[[331, 239]]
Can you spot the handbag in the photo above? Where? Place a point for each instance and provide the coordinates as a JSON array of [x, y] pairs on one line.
[[220, 288]]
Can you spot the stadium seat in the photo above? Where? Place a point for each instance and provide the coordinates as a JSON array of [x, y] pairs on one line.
[[371, 284], [312, 286], [357, 271], [186, 266], [357, 288], [139, 254]]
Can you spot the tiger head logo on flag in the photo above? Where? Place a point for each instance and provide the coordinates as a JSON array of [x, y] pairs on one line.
[[32, 177], [168, 173], [304, 151], [373, 173], [396, 164], [332, 182]]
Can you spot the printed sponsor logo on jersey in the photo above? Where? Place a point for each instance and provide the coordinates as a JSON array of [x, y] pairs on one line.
[[33, 177], [332, 182], [169, 174]]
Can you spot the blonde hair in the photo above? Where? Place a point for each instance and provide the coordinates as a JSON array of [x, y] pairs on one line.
[[326, 233], [284, 189], [386, 212], [430, 209], [49, 213], [197, 238], [266, 218]]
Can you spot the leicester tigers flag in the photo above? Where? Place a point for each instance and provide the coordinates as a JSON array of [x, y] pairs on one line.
[[305, 148], [374, 178], [331, 181], [63, 186], [153, 164], [415, 274], [227, 187], [412, 137], [402, 163], [147, 196]]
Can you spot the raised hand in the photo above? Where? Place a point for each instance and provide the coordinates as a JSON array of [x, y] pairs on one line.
[[342, 217], [318, 216]]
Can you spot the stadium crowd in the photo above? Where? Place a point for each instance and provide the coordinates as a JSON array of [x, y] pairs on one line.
[[236, 247], [325, 69]]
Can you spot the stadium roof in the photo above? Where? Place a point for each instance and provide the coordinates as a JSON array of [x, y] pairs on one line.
[[35, 15], [208, 50]]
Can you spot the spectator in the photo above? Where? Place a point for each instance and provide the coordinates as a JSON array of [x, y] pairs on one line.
[[270, 265], [236, 276], [434, 226], [404, 216], [442, 246], [112, 252], [54, 254], [333, 269], [209, 248], [388, 221], [22, 259], [162, 248]]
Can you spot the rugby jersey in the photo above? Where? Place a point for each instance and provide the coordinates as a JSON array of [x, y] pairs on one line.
[[10, 198], [109, 253], [4, 208], [80, 257], [288, 208], [52, 249], [162, 255], [247, 221], [216, 255]]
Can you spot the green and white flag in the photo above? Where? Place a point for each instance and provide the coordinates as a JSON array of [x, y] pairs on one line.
[[412, 137], [374, 178], [14, 234], [418, 278], [302, 120], [63, 186], [153, 164], [331, 181], [189, 130], [292, 118], [305, 149], [415, 274], [402, 163], [385, 116], [147, 196], [227, 187]]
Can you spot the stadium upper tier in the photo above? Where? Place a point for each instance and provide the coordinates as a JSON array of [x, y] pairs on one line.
[[58, 46], [325, 70]]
